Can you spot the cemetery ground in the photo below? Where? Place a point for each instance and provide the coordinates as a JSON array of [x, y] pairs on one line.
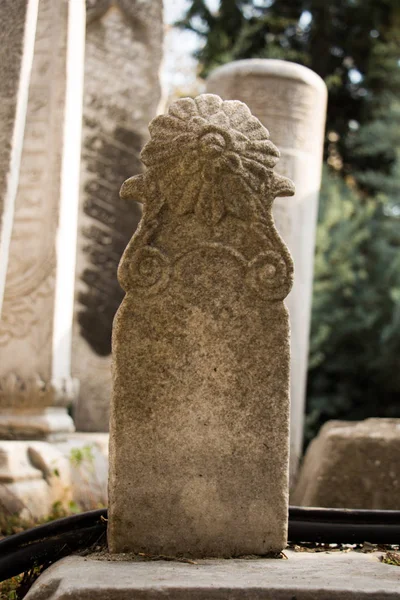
[[82, 461], [18, 586], [206, 306]]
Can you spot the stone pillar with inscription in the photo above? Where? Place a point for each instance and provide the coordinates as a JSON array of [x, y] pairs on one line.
[[17, 35], [291, 101], [32, 402], [121, 94]]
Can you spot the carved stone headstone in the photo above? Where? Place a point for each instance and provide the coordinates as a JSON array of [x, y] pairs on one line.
[[291, 100], [17, 34], [122, 90], [32, 404], [200, 412]]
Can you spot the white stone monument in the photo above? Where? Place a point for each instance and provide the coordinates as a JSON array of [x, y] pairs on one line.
[[121, 94], [291, 101], [35, 328], [17, 35]]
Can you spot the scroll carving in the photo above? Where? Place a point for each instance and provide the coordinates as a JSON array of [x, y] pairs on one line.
[[201, 343], [21, 393], [210, 177]]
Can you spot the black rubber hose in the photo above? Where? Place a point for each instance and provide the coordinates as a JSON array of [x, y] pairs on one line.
[[50, 550], [345, 526], [52, 541], [344, 515], [71, 523]]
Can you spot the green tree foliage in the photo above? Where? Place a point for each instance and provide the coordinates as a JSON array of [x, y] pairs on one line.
[[354, 368], [354, 45]]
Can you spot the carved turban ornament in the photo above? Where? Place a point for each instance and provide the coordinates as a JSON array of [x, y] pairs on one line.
[[207, 155]]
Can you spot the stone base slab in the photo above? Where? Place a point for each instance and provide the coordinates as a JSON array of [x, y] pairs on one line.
[[34, 475], [304, 576]]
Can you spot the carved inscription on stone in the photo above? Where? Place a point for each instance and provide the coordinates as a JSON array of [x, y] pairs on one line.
[[108, 162], [17, 35], [121, 92], [26, 325], [290, 131], [200, 413]]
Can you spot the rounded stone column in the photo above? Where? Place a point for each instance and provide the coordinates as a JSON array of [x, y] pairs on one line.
[[290, 100]]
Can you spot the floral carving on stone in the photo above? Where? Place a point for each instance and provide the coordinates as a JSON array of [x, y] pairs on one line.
[[201, 143], [211, 160], [21, 393], [18, 392], [201, 343]]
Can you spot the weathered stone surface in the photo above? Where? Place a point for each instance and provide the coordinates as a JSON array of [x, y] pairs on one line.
[[122, 91], [27, 344], [34, 475], [17, 35], [304, 576], [352, 465], [88, 462], [200, 410], [291, 101]]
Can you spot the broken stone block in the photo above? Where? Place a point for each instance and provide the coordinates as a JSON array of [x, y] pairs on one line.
[[33, 477], [352, 465]]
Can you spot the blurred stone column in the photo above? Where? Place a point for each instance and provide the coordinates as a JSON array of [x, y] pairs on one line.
[[17, 36], [35, 382], [121, 93], [290, 100]]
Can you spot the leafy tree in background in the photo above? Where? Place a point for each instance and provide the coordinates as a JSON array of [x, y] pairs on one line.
[[354, 45], [354, 366]]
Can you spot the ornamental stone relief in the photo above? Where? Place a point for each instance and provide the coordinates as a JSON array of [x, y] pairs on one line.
[[201, 343], [209, 188]]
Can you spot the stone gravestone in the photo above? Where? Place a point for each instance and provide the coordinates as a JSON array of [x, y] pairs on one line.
[[121, 94], [352, 464], [32, 403], [200, 411], [17, 35], [291, 100]]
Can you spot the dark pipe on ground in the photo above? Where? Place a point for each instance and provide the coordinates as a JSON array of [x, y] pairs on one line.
[[50, 542]]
